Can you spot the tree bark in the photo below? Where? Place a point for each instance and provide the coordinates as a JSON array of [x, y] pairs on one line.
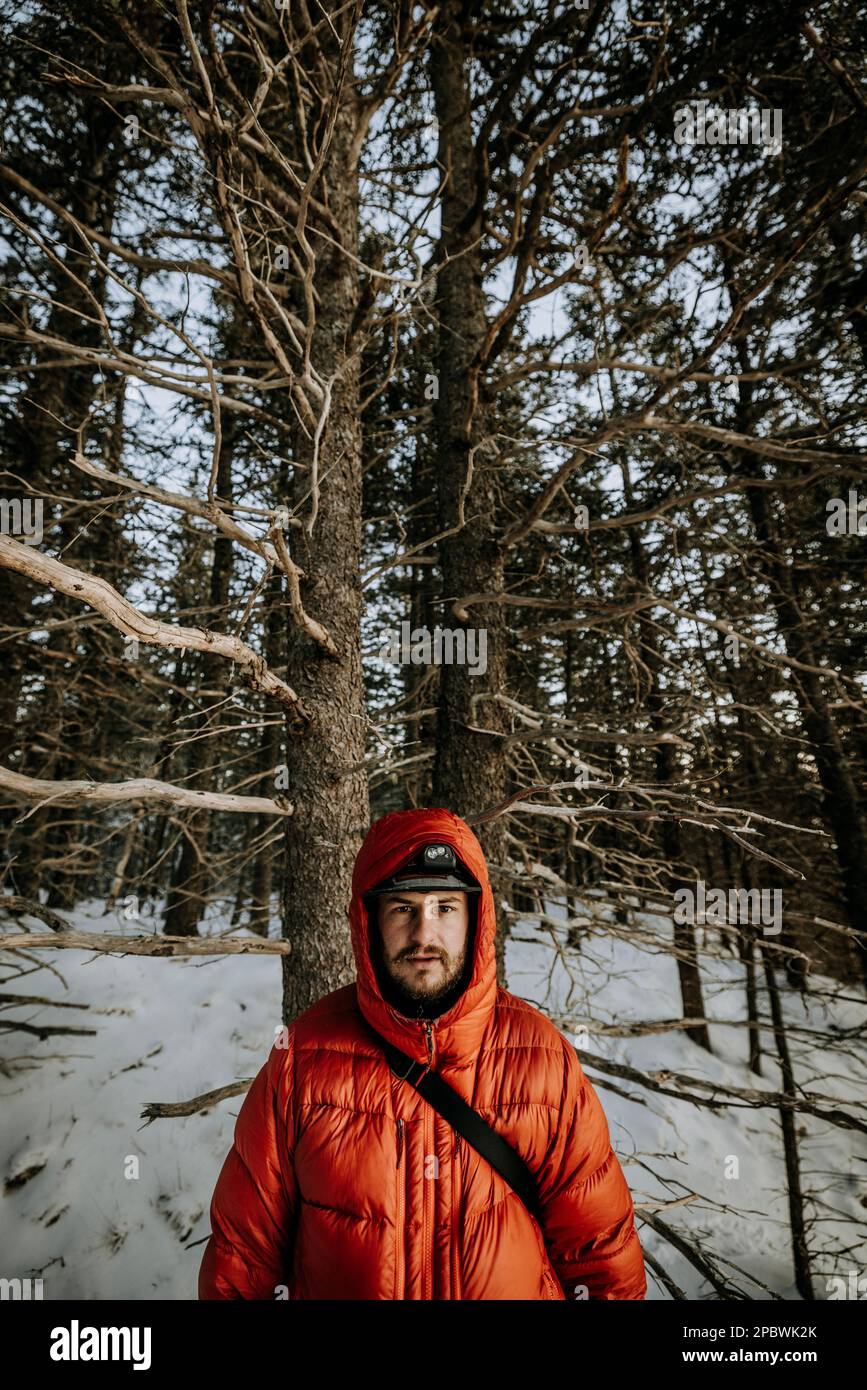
[[327, 777], [185, 905], [689, 975], [470, 769], [800, 1253]]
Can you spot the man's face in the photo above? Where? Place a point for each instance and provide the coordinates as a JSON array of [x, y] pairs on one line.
[[424, 940]]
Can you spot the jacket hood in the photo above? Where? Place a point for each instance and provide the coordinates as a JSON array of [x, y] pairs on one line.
[[390, 841]]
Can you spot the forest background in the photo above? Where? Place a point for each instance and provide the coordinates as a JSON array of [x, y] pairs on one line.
[[330, 327]]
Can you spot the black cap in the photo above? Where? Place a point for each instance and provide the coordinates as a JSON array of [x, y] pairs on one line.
[[434, 868]]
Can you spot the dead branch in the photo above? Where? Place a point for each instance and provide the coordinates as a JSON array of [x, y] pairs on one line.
[[689, 1252], [11, 1001], [156, 795], [13, 903], [96, 592], [726, 1097], [147, 945], [45, 1031], [172, 1110]]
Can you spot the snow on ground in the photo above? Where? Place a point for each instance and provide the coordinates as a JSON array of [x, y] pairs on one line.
[[731, 1158], [101, 1206], [167, 1029]]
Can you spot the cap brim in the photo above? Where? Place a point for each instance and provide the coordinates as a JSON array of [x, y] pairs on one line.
[[445, 883]]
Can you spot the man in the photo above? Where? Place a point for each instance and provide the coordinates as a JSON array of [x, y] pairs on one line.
[[343, 1182]]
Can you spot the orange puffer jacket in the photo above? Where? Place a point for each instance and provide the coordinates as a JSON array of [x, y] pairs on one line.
[[343, 1183]]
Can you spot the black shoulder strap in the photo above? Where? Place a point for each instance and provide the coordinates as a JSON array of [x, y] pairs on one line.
[[466, 1121]]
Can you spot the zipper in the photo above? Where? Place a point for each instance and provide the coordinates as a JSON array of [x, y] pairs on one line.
[[457, 1177], [400, 1234], [429, 1191]]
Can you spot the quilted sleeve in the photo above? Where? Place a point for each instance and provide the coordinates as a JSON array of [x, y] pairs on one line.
[[587, 1214], [249, 1253]]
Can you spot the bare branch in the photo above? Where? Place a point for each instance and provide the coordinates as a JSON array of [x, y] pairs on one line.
[[157, 946], [137, 790], [121, 614]]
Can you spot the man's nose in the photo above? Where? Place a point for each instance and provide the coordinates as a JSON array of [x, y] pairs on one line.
[[425, 926]]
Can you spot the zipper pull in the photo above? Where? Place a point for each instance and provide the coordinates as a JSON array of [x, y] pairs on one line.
[[399, 1142], [428, 1032]]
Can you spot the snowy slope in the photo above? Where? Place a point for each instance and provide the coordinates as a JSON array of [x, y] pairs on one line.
[[671, 1149], [171, 1029], [166, 1030]]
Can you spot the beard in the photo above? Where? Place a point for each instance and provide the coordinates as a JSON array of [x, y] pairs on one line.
[[419, 987]]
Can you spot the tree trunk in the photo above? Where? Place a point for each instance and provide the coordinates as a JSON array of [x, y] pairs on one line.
[[470, 770], [262, 872], [800, 1253], [187, 895], [691, 993], [327, 778], [53, 403]]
